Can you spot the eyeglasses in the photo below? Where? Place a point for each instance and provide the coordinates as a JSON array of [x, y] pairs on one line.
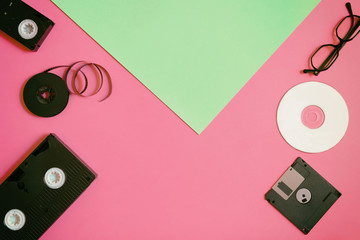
[[346, 30]]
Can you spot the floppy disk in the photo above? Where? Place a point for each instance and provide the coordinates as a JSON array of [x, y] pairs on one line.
[[302, 195]]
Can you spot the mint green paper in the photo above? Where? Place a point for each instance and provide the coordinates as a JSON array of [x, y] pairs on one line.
[[194, 55]]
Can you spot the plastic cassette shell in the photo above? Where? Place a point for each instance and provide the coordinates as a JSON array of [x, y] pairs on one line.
[[303, 216], [25, 189], [14, 12]]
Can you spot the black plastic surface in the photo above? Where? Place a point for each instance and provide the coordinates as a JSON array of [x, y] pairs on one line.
[[57, 94], [26, 190], [13, 12], [323, 196]]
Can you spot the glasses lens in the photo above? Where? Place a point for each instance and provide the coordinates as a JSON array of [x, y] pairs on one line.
[[324, 57], [346, 29]]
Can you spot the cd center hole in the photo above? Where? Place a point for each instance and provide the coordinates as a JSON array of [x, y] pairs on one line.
[[312, 117]]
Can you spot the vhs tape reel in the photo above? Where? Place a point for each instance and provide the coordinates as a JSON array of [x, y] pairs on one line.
[[23, 23], [44, 185], [302, 195]]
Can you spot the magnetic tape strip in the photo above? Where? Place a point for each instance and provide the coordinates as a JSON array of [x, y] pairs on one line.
[[46, 94]]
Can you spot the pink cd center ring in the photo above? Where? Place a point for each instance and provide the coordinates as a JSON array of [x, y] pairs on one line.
[[312, 117]]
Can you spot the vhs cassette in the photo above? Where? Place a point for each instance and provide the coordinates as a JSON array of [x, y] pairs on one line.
[[23, 23], [40, 189], [302, 195]]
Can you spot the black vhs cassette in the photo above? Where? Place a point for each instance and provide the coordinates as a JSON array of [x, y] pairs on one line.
[[302, 195], [44, 185], [23, 23]]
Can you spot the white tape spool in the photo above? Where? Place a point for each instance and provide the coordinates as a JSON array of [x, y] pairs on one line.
[[14, 219], [27, 29], [54, 178]]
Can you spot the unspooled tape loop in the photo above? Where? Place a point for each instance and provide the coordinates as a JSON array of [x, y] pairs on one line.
[[67, 66], [100, 69], [74, 89], [108, 77]]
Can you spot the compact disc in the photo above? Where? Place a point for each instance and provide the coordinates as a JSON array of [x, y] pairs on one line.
[[312, 117], [46, 94]]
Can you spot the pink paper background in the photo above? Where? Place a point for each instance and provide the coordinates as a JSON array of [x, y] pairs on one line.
[[159, 180]]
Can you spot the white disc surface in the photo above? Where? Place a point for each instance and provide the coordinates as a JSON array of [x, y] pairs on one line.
[[305, 138]]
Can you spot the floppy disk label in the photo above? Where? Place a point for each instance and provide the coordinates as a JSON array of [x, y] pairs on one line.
[[288, 183]]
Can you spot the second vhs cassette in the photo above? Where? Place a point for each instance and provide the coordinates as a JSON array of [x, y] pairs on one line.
[[44, 185]]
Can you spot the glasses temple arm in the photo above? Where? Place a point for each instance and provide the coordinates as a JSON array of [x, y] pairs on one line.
[[348, 7], [315, 72]]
